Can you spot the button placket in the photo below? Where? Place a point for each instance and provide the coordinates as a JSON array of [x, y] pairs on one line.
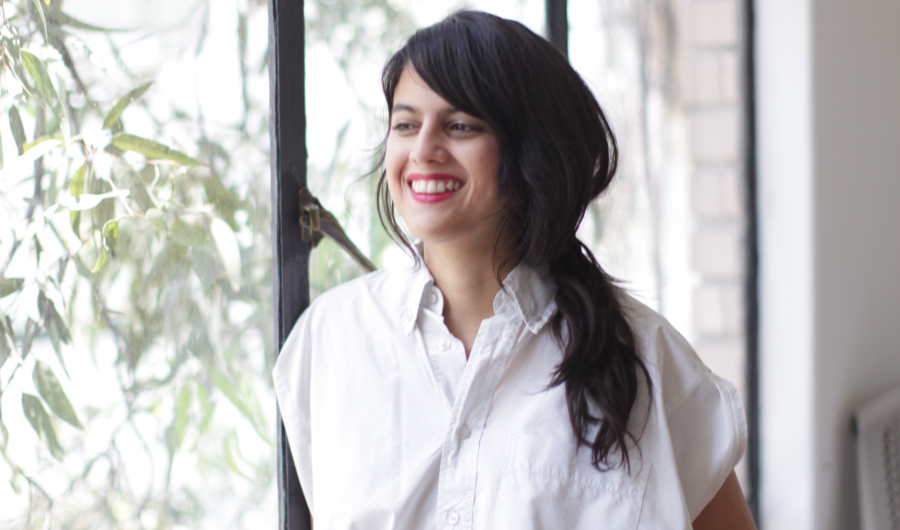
[[460, 458]]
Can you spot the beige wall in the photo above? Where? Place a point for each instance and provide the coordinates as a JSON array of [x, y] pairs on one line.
[[829, 160]]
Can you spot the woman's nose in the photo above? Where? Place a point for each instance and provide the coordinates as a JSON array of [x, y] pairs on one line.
[[429, 147]]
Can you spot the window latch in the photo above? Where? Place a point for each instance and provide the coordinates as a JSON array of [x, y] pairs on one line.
[[316, 222]]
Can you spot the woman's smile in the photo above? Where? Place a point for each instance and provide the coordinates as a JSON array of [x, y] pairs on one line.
[[435, 187]]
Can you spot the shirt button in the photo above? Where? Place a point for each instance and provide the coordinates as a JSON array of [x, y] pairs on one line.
[[432, 298], [453, 518], [444, 345], [464, 432]]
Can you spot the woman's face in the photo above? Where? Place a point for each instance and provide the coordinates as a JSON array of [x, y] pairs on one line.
[[441, 168]]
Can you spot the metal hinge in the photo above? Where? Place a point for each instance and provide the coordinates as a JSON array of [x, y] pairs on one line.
[[316, 222]]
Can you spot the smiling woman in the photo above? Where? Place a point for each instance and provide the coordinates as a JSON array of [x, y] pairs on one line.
[[504, 380]]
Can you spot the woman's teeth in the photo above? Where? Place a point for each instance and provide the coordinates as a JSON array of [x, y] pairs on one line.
[[435, 186]]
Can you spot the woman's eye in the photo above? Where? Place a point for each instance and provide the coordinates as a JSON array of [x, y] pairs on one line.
[[402, 126], [463, 127]]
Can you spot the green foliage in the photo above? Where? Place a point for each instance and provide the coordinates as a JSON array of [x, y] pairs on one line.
[[116, 112], [135, 243], [49, 388], [140, 249], [18, 130], [152, 150], [40, 422]]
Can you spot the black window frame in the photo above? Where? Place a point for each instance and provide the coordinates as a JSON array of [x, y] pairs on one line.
[[290, 266]]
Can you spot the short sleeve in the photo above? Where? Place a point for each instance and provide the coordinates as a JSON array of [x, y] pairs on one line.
[[706, 420], [292, 390]]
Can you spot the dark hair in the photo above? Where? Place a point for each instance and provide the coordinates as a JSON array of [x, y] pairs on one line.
[[557, 154]]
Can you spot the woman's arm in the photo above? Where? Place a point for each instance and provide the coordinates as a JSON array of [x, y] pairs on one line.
[[728, 509]]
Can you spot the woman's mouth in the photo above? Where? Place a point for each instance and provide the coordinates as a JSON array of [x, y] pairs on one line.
[[433, 188]]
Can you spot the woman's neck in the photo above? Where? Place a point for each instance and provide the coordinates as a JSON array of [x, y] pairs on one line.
[[469, 282]]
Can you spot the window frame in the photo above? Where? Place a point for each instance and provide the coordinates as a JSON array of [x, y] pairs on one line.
[[290, 264]]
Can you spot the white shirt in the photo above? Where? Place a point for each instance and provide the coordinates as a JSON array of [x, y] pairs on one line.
[[391, 427]]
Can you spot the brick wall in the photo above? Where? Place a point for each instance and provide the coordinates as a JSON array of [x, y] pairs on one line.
[[710, 44]]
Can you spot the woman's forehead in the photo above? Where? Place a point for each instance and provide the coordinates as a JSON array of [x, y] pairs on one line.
[[413, 94]]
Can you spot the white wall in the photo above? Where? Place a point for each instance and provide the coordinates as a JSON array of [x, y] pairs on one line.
[[785, 202], [829, 159], [856, 110]]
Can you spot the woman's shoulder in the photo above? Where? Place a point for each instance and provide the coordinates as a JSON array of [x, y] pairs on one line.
[[379, 301], [673, 364], [380, 287], [648, 326]]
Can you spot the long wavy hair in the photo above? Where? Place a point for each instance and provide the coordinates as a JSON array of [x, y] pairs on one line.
[[557, 154]]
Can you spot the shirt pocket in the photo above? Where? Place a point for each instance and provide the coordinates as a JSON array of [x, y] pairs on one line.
[[545, 486]]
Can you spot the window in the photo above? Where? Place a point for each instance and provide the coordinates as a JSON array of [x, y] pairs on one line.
[[144, 183], [136, 266]]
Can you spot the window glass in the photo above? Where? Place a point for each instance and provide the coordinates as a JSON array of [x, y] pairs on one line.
[[135, 266], [673, 225]]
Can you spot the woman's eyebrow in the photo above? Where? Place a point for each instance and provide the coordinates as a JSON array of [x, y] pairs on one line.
[[409, 108], [402, 106]]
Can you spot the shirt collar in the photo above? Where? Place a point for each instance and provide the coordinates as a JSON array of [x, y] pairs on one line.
[[411, 291], [529, 291], [526, 290]]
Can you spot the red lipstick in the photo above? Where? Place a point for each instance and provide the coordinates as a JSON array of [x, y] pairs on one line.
[[432, 187]]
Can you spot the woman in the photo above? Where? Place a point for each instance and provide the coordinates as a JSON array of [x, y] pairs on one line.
[[504, 382]]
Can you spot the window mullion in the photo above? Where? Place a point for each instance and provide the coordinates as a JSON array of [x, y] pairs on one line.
[[287, 129]]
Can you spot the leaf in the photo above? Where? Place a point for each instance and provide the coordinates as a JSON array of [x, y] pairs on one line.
[[116, 112], [38, 72], [56, 136], [24, 162], [64, 19], [188, 235], [226, 387], [76, 185], [208, 406], [110, 235], [227, 245], [40, 10], [182, 406], [55, 326], [106, 210], [230, 441], [101, 261], [18, 130], [225, 199], [157, 218], [76, 188], [152, 150], [244, 398], [128, 178], [40, 422], [49, 388], [86, 201], [5, 350], [4, 432], [10, 285]]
